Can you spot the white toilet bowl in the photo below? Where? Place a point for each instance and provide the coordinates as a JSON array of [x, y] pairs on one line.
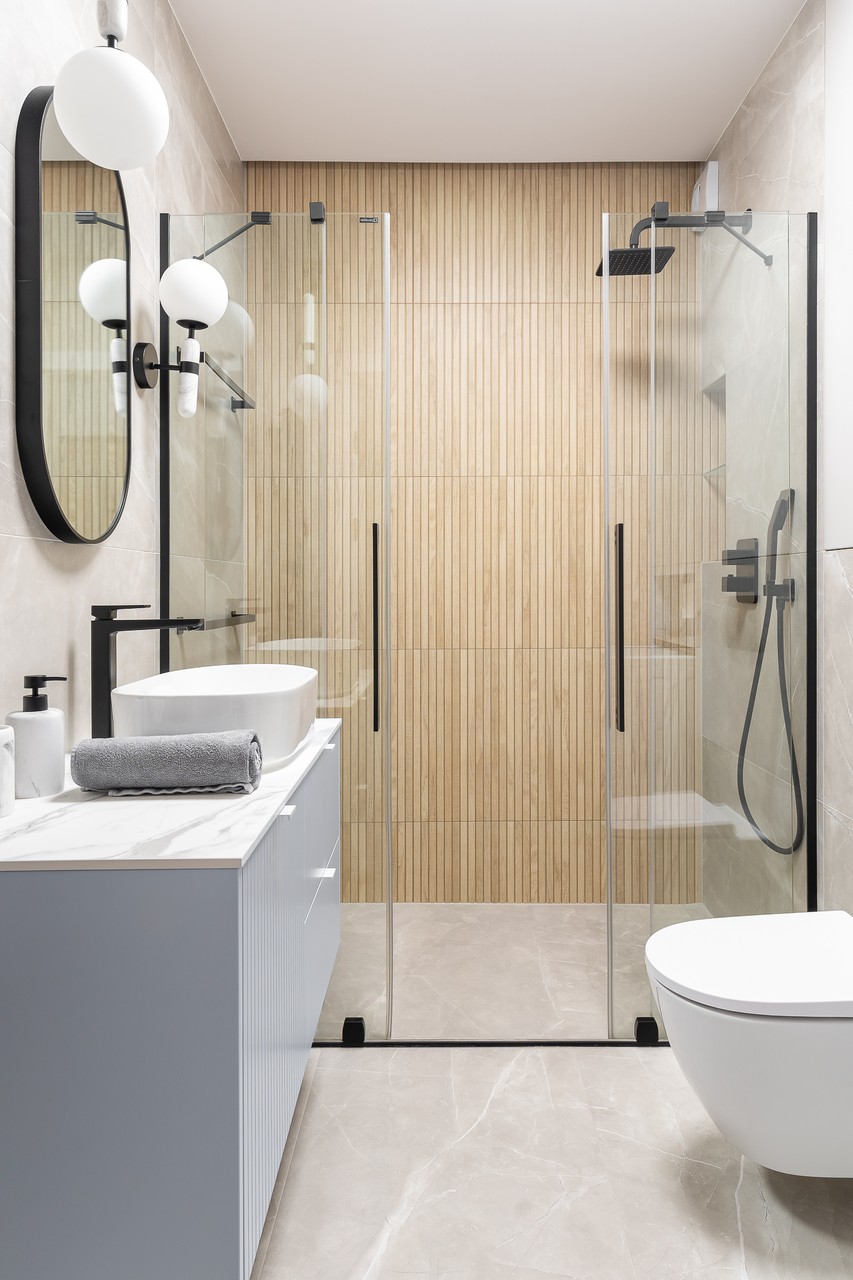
[[759, 1013]]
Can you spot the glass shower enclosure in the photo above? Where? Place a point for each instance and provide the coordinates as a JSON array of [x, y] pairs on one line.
[[275, 514], [710, 464]]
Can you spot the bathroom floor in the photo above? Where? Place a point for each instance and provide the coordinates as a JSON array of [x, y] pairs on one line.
[[481, 1163], [492, 971]]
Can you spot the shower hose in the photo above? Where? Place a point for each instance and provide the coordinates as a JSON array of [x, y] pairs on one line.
[[780, 595]]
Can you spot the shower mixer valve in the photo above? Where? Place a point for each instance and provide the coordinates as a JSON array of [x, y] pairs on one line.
[[744, 582]]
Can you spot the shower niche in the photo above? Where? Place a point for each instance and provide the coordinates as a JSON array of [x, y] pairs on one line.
[[710, 463]]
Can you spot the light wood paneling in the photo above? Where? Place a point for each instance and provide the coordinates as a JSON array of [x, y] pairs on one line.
[[497, 510]]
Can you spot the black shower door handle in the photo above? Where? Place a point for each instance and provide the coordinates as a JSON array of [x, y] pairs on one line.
[[375, 628], [619, 621]]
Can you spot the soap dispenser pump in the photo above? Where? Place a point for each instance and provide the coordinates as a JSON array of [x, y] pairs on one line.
[[39, 742]]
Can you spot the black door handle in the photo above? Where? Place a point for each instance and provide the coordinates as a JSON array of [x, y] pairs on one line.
[[619, 620], [376, 628]]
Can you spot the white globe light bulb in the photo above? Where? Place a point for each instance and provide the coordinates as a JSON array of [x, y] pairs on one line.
[[103, 292], [234, 333], [111, 108], [193, 293], [307, 396]]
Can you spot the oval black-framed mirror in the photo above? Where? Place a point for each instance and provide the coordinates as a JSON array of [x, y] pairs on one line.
[[72, 330]]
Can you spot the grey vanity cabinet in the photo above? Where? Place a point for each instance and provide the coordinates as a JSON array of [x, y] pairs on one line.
[[154, 1030], [290, 933]]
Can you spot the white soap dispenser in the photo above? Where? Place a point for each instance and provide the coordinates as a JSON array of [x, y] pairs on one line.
[[39, 742]]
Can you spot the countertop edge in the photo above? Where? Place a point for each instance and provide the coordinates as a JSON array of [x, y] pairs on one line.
[[273, 801]]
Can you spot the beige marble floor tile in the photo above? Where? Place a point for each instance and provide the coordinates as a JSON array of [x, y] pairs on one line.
[[474, 971], [531, 1163]]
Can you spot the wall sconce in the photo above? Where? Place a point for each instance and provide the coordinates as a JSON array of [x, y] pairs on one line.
[[194, 295], [103, 294], [107, 103]]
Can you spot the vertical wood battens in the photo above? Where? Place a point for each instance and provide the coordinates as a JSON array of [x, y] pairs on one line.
[[496, 499]]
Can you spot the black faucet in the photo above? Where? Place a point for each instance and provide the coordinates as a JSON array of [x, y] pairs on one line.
[[105, 627]]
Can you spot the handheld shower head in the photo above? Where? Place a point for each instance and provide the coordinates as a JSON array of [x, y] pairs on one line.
[[778, 520], [781, 511]]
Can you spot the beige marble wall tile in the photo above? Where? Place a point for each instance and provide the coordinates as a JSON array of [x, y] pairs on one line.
[[837, 700], [740, 875], [771, 159], [836, 881], [52, 584], [771, 154]]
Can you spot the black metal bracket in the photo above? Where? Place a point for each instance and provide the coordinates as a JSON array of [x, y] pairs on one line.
[[145, 365], [784, 591], [256, 219], [744, 582], [146, 369], [661, 217], [234, 619], [241, 399], [90, 217], [316, 211]]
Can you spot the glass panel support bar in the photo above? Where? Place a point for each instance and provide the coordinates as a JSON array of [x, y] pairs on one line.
[[256, 219]]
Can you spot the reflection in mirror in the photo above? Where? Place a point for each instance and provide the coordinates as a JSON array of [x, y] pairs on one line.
[[84, 326], [72, 290]]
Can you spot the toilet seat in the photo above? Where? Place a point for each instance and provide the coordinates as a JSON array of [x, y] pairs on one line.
[[798, 965]]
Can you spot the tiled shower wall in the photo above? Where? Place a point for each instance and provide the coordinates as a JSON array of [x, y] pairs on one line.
[[771, 158], [48, 586]]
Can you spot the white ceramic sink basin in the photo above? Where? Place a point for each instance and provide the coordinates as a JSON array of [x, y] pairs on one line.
[[279, 702]]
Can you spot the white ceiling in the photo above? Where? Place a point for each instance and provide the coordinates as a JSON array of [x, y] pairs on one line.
[[481, 80]]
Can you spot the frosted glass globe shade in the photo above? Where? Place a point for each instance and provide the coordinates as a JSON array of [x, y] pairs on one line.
[[111, 108], [193, 293], [103, 292], [307, 396]]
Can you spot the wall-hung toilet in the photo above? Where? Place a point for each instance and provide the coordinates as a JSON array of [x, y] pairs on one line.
[[759, 1013]]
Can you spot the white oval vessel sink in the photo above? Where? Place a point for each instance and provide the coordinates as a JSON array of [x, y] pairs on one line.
[[277, 701]]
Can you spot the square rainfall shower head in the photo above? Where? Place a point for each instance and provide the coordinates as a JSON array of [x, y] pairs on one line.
[[637, 262]]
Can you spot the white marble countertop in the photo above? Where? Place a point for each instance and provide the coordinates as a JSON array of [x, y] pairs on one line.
[[79, 830]]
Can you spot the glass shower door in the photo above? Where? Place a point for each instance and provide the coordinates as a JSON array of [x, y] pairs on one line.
[[629, 665], [357, 685], [707, 454], [278, 506]]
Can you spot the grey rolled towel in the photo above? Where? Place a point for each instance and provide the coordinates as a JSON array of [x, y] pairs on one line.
[[163, 764]]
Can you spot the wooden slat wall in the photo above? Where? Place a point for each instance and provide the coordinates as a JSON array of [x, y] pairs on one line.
[[85, 440], [497, 500]]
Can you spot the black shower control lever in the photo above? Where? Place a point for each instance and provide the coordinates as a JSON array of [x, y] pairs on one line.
[[744, 582]]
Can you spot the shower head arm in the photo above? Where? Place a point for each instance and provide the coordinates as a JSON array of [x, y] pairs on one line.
[[661, 217]]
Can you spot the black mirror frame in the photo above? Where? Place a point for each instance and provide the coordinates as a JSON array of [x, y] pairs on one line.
[[28, 322]]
